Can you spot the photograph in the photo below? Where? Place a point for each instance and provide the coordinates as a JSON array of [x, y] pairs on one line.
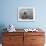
[[26, 14]]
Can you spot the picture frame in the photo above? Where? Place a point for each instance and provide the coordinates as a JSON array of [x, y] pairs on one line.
[[26, 14]]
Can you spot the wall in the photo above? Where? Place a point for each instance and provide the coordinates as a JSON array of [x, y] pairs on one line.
[[9, 13]]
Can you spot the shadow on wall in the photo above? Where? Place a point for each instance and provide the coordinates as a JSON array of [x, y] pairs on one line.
[[2, 26]]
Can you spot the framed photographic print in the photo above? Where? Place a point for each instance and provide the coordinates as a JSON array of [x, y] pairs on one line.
[[26, 14]]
